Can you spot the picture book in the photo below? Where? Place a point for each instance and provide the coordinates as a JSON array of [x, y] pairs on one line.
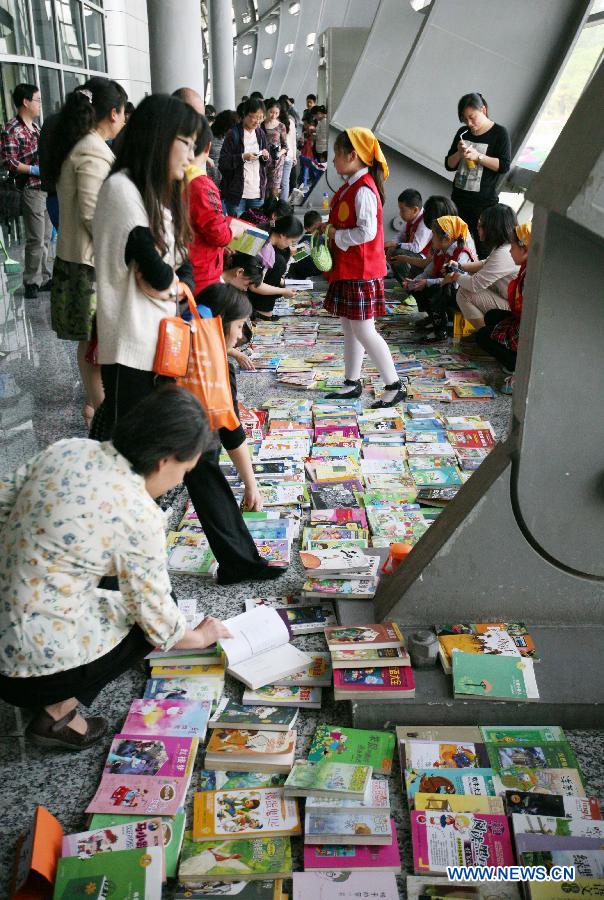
[[127, 836], [450, 755], [375, 799], [259, 651], [522, 734], [168, 718], [459, 803], [194, 688], [339, 516], [208, 672], [129, 874], [335, 494], [353, 826], [475, 438], [376, 637], [547, 755], [229, 859], [310, 619], [493, 641], [173, 829], [344, 561], [284, 695], [316, 674], [139, 794], [247, 749], [215, 780], [132, 754], [543, 781], [560, 827], [586, 854], [516, 630], [36, 856], [329, 779], [261, 718], [192, 560], [557, 805], [349, 886], [473, 392], [379, 683], [351, 588], [442, 839], [248, 813], [353, 745], [493, 677], [443, 476], [361, 656], [342, 857], [450, 781], [251, 241]]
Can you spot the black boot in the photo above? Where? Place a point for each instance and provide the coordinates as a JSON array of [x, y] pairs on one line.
[[357, 390], [399, 397]]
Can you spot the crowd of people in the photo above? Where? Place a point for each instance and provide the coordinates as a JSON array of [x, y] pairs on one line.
[[145, 213]]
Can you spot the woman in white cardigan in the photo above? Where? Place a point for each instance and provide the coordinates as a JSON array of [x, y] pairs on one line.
[[483, 285], [81, 159]]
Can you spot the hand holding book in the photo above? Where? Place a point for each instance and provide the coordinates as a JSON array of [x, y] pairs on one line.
[[206, 633]]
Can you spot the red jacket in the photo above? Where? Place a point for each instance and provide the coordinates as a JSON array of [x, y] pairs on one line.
[[211, 230], [364, 261]]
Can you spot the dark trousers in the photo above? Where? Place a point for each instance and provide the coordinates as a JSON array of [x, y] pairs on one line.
[[502, 354], [210, 493], [470, 213], [82, 682], [305, 268], [273, 278]]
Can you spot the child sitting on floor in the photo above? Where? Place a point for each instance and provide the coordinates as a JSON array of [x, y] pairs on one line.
[[434, 207], [305, 268], [414, 241], [275, 257]]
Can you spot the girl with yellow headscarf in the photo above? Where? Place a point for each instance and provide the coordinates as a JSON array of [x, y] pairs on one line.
[[356, 279]]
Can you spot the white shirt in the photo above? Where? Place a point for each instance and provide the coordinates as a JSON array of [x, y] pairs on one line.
[[365, 205], [497, 271], [292, 147], [251, 168], [421, 237]]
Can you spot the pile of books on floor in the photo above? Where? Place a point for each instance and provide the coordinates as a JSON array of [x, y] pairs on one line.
[[489, 660], [493, 796], [370, 662]]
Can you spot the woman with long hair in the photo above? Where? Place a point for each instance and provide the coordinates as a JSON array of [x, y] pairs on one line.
[[79, 161], [276, 135]]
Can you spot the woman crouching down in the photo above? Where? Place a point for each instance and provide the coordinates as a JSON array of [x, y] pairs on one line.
[[78, 512]]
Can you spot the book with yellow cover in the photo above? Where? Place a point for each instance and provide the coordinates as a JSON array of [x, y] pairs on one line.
[[248, 750], [212, 671], [262, 812], [459, 803]]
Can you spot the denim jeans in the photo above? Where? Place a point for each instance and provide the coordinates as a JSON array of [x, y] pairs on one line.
[[287, 168], [237, 209]]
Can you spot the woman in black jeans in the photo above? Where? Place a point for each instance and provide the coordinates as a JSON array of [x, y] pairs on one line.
[[479, 154]]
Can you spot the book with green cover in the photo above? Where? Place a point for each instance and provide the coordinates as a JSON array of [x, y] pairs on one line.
[[552, 755], [521, 734], [133, 875], [217, 780], [328, 778], [493, 677], [353, 745], [566, 782], [173, 832], [234, 859]]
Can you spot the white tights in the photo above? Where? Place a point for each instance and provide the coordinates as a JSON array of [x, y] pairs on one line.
[[360, 336]]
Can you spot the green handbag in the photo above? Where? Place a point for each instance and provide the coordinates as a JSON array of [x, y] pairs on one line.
[[319, 252]]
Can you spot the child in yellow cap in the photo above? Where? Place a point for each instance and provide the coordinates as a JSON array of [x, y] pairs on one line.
[[356, 280]]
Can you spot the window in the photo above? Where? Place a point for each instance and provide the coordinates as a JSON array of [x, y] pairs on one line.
[[14, 28], [50, 88], [246, 49], [575, 75], [267, 63], [310, 39], [12, 74], [44, 32], [289, 49], [95, 40], [72, 80], [71, 40], [270, 28]]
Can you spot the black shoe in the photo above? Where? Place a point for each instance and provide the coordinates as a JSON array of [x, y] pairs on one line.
[[357, 390], [401, 394], [437, 337], [31, 291], [47, 286], [47, 732], [424, 324], [254, 573]]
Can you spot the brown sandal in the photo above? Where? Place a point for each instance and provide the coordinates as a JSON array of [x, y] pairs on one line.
[[46, 732]]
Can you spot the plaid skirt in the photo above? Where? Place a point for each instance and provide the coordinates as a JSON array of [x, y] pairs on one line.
[[356, 299]]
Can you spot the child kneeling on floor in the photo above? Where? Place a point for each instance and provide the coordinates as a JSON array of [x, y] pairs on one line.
[[356, 280], [275, 257]]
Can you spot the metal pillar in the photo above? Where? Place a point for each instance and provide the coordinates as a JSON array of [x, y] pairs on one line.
[[220, 27], [175, 45]]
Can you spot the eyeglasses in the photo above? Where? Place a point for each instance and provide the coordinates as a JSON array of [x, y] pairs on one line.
[[190, 145]]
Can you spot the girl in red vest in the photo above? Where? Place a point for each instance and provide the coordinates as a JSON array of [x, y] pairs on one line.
[[356, 280]]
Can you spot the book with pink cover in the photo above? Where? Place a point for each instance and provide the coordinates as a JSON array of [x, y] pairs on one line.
[[341, 858], [168, 718], [442, 839], [139, 795]]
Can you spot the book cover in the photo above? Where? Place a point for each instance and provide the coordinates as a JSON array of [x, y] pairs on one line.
[[552, 805], [347, 827], [443, 839], [494, 677], [378, 681], [552, 890], [139, 794], [217, 780], [133, 875], [522, 734], [215, 671], [251, 241], [589, 863], [587, 854], [36, 856], [187, 560], [375, 799], [349, 886], [387, 656], [284, 695], [450, 781], [444, 476], [462, 803], [233, 859], [270, 718], [353, 745], [339, 516], [132, 754], [422, 754], [375, 636], [316, 674], [193, 688], [173, 829], [557, 826], [308, 619], [361, 588], [422, 887], [481, 438], [326, 563], [492, 641], [168, 718], [247, 813], [251, 742], [517, 631], [335, 494], [547, 755], [342, 858], [474, 392], [329, 778], [543, 781]]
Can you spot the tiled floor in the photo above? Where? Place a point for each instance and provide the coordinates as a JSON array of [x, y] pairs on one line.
[[46, 407]]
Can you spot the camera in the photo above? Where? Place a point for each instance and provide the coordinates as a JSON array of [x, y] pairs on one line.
[[453, 266]]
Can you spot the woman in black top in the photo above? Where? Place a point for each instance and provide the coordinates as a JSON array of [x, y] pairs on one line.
[[479, 154]]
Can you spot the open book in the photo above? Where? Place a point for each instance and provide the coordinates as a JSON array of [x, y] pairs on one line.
[[259, 651]]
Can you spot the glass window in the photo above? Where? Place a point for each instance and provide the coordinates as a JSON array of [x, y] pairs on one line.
[[69, 23], [14, 28], [50, 88], [12, 74], [72, 80], [95, 40], [44, 31], [575, 75]]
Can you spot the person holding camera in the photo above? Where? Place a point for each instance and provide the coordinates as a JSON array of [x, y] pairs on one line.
[[243, 161], [276, 136]]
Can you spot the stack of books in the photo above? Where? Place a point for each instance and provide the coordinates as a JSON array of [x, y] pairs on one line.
[[370, 662]]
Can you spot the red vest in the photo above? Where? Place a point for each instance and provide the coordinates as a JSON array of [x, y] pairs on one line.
[[411, 228], [440, 257], [366, 260]]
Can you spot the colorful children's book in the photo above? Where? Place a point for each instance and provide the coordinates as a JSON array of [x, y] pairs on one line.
[[376, 799], [284, 695], [334, 563], [173, 829], [351, 588], [522, 734], [251, 241], [215, 780], [450, 781], [129, 874], [225, 859], [473, 392], [347, 827], [168, 718], [375, 637], [567, 782], [188, 688], [341, 858], [546, 755], [350, 885], [459, 803], [493, 677], [261, 718], [485, 641], [328, 779], [441, 840], [36, 857], [251, 750], [353, 745], [207, 672], [127, 836], [492, 641], [310, 619], [316, 674], [422, 754], [353, 658], [380, 683], [258, 812], [557, 805], [560, 827], [192, 560]]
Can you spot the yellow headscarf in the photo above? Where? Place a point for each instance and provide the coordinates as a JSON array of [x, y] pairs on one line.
[[454, 227], [368, 147], [523, 233]]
